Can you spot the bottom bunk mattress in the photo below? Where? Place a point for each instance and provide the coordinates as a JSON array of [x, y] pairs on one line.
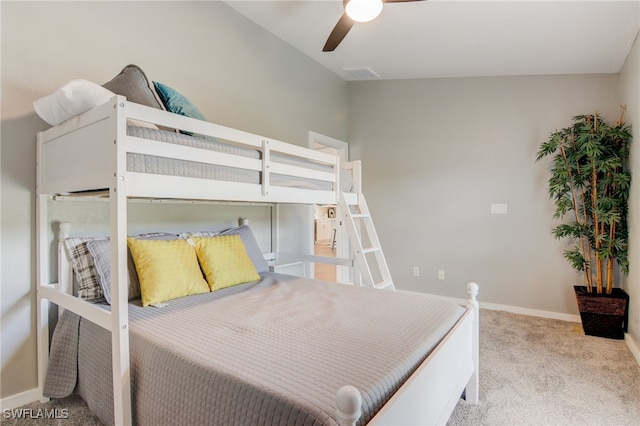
[[265, 353]]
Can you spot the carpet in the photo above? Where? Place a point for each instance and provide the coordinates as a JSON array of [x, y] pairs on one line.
[[537, 371]]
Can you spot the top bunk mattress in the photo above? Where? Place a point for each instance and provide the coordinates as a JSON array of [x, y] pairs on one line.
[[175, 167]]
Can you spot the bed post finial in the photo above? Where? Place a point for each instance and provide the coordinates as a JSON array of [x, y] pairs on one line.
[[472, 391], [472, 291], [64, 229], [349, 405]]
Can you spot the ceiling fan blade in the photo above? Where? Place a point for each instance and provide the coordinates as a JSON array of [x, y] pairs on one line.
[[339, 32]]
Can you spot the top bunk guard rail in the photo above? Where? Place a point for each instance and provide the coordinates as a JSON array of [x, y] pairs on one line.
[[82, 154]]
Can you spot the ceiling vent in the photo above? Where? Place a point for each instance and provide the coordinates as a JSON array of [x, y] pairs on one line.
[[364, 73]]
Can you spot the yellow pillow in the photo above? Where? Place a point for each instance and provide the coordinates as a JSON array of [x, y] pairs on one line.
[[225, 261], [167, 269]]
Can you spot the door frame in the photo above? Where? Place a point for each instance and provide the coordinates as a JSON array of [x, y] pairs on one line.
[[343, 273]]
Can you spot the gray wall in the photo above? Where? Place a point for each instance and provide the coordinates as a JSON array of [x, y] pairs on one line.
[[629, 95], [437, 153], [238, 75]]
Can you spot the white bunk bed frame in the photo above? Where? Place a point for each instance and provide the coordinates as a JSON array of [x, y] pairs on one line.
[[89, 152]]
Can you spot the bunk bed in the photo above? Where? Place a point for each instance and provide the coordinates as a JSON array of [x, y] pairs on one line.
[[100, 151]]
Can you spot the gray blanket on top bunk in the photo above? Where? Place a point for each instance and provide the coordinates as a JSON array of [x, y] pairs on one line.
[[173, 167], [265, 353]]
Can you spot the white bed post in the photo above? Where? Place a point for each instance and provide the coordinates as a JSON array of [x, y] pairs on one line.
[[356, 172], [65, 273], [42, 274], [472, 391], [348, 405], [266, 173], [275, 231], [119, 285]]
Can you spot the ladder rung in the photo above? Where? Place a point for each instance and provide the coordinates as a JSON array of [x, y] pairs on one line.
[[359, 215], [371, 249], [383, 284]]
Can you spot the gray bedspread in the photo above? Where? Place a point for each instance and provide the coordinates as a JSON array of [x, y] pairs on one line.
[[173, 167], [273, 352]]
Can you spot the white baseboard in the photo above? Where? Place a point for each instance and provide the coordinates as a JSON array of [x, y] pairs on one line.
[[531, 312], [518, 310], [20, 399], [633, 346]]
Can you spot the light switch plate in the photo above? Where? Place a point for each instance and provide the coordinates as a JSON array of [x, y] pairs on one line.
[[499, 208]]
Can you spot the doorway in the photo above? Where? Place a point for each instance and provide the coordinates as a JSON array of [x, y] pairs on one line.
[[329, 239]]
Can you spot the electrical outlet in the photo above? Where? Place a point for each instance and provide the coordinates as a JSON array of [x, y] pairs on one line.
[[441, 274], [416, 271]]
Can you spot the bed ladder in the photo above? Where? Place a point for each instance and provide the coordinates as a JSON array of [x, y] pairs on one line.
[[361, 231]]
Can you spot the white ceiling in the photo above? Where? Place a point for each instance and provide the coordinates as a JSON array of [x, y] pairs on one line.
[[453, 38]]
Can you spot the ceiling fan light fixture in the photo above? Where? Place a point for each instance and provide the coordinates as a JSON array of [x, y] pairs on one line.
[[363, 10]]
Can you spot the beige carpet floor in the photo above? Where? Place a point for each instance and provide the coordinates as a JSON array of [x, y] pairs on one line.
[[533, 371], [536, 371]]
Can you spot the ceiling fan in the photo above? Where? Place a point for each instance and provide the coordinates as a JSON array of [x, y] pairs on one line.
[[355, 11]]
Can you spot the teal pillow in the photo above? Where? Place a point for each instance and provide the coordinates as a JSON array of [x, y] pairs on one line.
[[177, 103]]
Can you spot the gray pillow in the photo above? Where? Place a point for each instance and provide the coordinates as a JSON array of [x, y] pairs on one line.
[[100, 254], [133, 83]]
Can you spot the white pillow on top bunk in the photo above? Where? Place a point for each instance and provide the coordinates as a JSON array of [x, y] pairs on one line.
[[78, 96], [75, 97]]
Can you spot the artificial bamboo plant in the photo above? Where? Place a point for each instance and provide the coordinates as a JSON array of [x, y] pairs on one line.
[[590, 180]]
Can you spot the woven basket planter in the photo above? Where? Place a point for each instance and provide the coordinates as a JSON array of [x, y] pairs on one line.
[[603, 315]]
